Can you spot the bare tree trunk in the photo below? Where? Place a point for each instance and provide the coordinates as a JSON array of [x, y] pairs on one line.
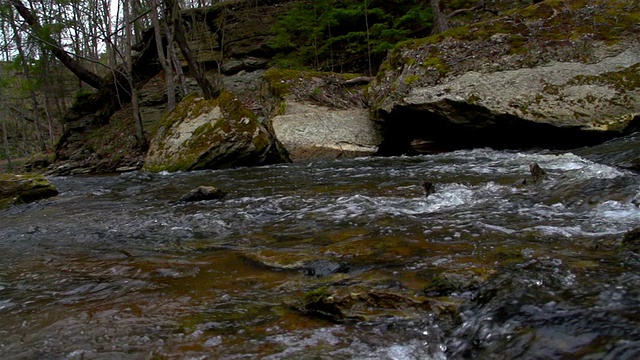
[[177, 66], [137, 120], [5, 39], [222, 28], [48, 110], [440, 19], [7, 149], [366, 22], [164, 60], [49, 91], [28, 76], [173, 13], [36, 122], [77, 38], [109, 43]]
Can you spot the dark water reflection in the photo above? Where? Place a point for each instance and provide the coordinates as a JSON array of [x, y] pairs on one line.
[[117, 267]]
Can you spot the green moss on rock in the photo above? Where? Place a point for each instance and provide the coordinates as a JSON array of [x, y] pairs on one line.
[[624, 80], [18, 189], [316, 295], [203, 134], [552, 31]]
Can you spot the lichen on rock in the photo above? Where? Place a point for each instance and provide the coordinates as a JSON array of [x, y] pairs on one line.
[[551, 74], [321, 115], [19, 189], [211, 134]]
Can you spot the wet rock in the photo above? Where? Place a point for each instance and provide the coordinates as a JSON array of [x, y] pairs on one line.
[[536, 172], [321, 268], [38, 162], [456, 283], [307, 264], [81, 171], [442, 285], [631, 241], [429, 188], [18, 189], [203, 193], [124, 169], [622, 152], [634, 165], [360, 304], [211, 134]]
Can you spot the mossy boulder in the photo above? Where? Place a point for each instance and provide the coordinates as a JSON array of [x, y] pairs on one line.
[[211, 134], [19, 189], [555, 74]]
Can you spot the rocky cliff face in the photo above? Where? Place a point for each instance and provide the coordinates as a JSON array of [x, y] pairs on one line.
[[230, 38], [556, 74], [234, 34], [321, 115]]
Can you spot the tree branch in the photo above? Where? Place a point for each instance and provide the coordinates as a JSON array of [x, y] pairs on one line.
[[482, 6], [72, 64], [460, 11], [172, 10]]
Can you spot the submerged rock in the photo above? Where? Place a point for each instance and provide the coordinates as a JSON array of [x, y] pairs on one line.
[[320, 268], [367, 304], [429, 188], [203, 193], [19, 189], [307, 264], [631, 240], [536, 172]]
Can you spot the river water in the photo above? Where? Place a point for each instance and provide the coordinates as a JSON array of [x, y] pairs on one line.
[[485, 267]]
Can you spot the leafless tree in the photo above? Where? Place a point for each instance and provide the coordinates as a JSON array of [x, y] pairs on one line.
[[137, 119], [165, 58], [172, 10]]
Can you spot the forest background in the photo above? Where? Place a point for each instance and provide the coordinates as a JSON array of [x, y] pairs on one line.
[[54, 53]]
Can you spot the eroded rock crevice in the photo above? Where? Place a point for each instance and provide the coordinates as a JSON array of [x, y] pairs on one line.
[[411, 130]]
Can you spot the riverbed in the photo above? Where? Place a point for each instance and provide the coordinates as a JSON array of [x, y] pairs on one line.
[[344, 259]]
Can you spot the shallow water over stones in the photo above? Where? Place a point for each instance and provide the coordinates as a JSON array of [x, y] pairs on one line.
[[335, 260]]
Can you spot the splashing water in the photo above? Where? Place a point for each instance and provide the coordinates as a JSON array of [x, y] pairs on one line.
[[488, 267]]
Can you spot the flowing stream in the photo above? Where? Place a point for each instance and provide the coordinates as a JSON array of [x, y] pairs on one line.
[[485, 267]]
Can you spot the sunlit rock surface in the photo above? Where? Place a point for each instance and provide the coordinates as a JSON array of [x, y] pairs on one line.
[[309, 131], [321, 115]]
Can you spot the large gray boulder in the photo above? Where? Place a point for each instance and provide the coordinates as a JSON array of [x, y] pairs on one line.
[[552, 75], [310, 131], [321, 115], [202, 134]]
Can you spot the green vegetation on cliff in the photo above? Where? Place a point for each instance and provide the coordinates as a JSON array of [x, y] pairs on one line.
[[346, 36]]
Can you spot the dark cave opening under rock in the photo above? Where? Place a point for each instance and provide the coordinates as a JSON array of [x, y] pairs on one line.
[[449, 126]]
